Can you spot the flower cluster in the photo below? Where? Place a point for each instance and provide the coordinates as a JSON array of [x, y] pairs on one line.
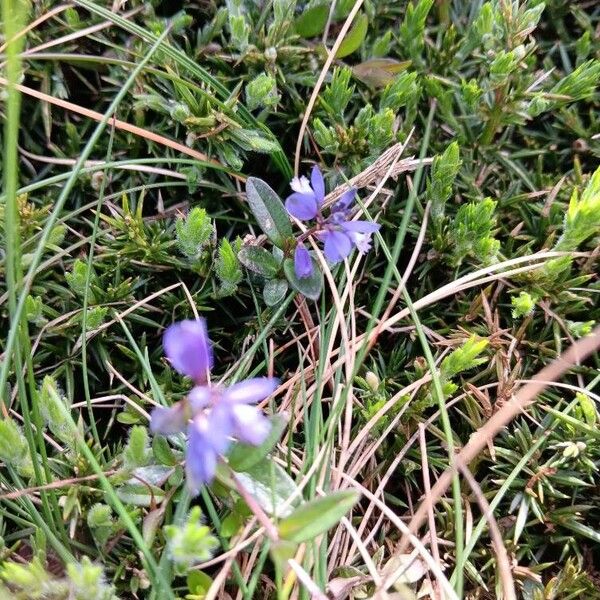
[[337, 231], [211, 415]]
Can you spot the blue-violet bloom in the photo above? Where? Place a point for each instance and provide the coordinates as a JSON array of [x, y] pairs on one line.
[[307, 199], [338, 233], [188, 349], [302, 262], [211, 416]]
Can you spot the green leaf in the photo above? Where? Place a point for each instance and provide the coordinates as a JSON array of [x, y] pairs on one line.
[[198, 582], [307, 286], [244, 456], [140, 495], [281, 551], [356, 36], [588, 408], [189, 542], [227, 268], [338, 93], [162, 451], [269, 211], [231, 524], [274, 291], [317, 516], [193, 232], [379, 72], [128, 418], [259, 260], [136, 453], [151, 475], [253, 141], [271, 487], [464, 357], [312, 21]]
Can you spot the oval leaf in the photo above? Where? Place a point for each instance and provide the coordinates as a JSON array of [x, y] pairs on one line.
[[270, 486], [307, 286], [152, 475], [317, 516], [274, 291], [140, 495], [259, 260], [312, 21], [198, 582], [379, 72], [353, 41], [406, 569], [269, 211], [244, 456]]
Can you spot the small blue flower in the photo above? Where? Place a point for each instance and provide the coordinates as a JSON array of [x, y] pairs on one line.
[[337, 232], [211, 416], [303, 266], [202, 453], [307, 199], [339, 238], [188, 349]]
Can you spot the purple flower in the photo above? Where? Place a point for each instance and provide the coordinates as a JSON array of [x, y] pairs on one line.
[[188, 349], [344, 202], [337, 232], [336, 245], [307, 199], [302, 262], [211, 416], [202, 453]]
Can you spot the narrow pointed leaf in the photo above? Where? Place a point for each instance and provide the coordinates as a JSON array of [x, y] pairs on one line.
[[356, 36], [317, 516]]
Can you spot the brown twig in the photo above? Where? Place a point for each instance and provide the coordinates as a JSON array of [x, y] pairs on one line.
[[52, 486]]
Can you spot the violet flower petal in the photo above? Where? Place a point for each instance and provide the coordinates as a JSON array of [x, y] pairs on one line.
[[317, 183], [208, 437], [346, 200], [303, 266], [168, 421], [188, 348], [199, 398], [250, 391], [360, 226], [250, 425], [337, 246], [200, 460], [220, 427], [302, 206], [301, 185]]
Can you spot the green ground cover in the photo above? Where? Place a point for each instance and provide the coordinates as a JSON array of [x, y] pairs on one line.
[[148, 149]]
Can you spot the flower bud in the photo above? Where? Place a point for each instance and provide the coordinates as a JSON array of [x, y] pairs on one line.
[[372, 380]]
